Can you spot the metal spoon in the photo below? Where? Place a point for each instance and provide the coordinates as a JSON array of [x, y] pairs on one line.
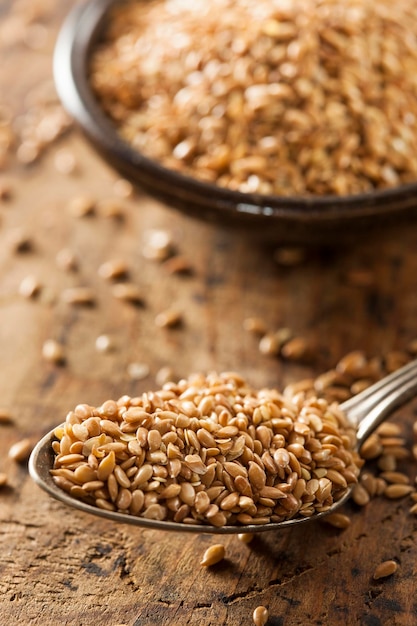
[[365, 411]]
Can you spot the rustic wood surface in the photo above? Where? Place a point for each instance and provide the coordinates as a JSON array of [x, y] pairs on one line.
[[60, 566]]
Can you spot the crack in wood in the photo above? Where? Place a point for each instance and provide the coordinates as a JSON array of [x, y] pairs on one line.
[[19, 524], [241, 595], [390, 605], [168, 603], [407, 542], [280, 582], [299, 571]]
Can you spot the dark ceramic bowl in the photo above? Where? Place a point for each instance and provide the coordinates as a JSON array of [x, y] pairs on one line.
[[316, 220]]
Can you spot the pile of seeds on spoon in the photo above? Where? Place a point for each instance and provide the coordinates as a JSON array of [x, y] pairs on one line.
[[208, 450]]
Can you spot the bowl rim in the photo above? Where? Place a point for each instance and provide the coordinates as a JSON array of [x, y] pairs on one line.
[[76, 38]]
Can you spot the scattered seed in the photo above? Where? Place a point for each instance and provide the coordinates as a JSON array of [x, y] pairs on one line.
[[66, 260], [352, 362], [6, 191], [78, 296], [245, 537], [255, 325], [123, 188], [158, 245], [387, 463], [368, 480], [338, 520], [20, 241], [371, 448], [394, 360], [273, 343], [20, 451], [388, 429], [380, 486], [48, 295], [43, 122], [65, 162], [138, 371], [359, 495], [29, 287], [304, 386], [28, 152], [397, 491], [104, 343], [328, 379], [260, 616], [384, 569], [112, 208], [214, 554], [360, 385], [395, 477], [128, 292], [164, 375], [289, 257], [360, 277], [82, 206], [53, 351], [270, 345], [6, 416], [169, 318], [178, 265], [113, 269], [296, 349]]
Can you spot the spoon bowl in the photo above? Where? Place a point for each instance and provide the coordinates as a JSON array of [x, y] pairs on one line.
[[41, 462], [365, 411]]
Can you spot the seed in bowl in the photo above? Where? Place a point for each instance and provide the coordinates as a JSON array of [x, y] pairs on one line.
[[309, 97], [208, 450]]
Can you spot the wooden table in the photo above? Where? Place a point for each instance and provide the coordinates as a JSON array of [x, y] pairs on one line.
[[60, 566]]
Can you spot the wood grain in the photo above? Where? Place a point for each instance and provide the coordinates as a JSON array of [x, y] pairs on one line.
[[59, 566]]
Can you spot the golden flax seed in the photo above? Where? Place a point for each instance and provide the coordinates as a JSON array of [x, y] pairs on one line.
[[260, 616], [385, 569], [21, 450], [53, 351], [213, 555]]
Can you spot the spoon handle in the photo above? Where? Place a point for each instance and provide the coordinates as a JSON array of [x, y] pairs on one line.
[[371, 420]]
